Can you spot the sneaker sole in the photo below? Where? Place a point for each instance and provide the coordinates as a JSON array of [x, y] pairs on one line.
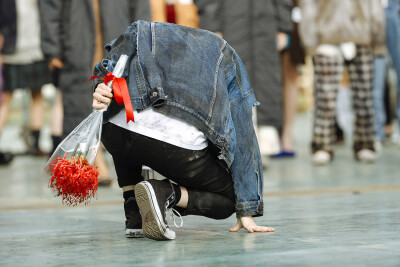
[[134, 233], [152, 220]]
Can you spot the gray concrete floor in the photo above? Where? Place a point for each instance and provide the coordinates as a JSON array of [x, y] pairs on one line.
[[343, 214]]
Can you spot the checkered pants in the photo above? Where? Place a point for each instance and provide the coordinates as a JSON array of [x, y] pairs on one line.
[[327, 79]]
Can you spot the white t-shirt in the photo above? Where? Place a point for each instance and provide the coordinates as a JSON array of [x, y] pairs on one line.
[[162, 127]]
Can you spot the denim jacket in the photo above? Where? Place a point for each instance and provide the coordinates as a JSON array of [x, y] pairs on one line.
[[195, 75]]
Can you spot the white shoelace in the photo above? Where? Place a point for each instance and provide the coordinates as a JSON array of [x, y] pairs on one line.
[[172, 211], [171, 214]]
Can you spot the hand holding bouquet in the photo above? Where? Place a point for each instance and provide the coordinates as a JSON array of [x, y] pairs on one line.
[[73, 175]]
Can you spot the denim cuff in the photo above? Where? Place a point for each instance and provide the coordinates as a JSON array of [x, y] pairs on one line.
[[253, 208]]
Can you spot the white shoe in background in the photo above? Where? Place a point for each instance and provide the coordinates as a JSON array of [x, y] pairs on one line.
[[268, 140], [321, 157], [395, 138], [366, 155], [378, 145]]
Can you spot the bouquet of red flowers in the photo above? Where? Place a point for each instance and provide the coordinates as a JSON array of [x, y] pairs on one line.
[[73, 175]]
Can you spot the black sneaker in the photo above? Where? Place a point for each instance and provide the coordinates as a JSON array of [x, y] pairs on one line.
[[154, 197], [133, 223], [5, 158]]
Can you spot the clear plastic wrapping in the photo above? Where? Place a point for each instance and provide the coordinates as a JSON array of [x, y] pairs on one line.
[[74, 176]]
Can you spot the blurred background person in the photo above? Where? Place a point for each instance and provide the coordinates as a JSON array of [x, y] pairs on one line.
[[292, 57], [258, 31], [57, 110], [383, 116], [1, 65], [335, 33], [390, 101], [69, 30], [23, 62], [393, 45], [181, 12], [5, 157]]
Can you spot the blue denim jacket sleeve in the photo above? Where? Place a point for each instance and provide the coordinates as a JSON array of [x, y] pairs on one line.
[[246, 168]]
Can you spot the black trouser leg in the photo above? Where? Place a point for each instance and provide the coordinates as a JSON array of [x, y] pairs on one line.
[[210, 205], [209, 184]]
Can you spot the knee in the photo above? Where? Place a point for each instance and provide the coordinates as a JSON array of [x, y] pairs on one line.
[[36, 94], [6, 98], [226, 209], [210, 205]]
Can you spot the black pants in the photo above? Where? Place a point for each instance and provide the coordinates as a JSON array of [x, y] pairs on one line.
[[209, 184]]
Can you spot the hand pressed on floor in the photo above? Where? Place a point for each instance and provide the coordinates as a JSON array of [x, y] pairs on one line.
[[248, 223]]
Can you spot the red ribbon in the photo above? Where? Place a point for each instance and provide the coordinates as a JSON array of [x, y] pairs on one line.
[[121, 93]]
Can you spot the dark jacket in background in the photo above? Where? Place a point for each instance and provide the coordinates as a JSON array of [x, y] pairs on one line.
[[250, 27], [8, 25], [68, 32]]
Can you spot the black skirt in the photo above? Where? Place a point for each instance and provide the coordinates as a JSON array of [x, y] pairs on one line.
[[30, 76]]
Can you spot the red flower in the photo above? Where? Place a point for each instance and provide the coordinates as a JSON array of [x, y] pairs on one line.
[[75, 180]]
